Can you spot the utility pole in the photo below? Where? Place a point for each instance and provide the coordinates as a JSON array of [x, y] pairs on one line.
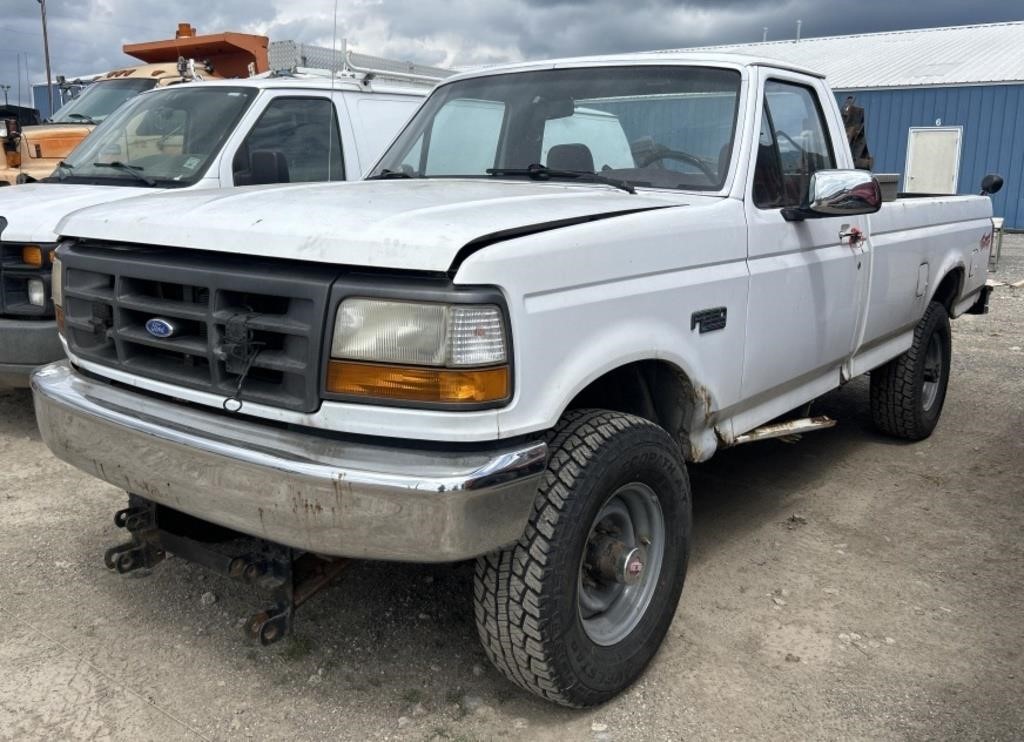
[[5, 88], [46, 53]]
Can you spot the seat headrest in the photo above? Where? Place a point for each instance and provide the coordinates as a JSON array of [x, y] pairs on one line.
[[571, 157]]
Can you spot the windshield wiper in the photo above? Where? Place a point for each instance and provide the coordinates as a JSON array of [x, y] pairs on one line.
[[543, 172], [386, 174], [133, 170], [84, 117]]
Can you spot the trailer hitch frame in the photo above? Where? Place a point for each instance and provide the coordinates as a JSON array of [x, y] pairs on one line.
[[290, 576]]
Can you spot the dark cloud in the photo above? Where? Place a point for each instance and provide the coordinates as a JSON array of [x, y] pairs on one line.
[[86, 35]]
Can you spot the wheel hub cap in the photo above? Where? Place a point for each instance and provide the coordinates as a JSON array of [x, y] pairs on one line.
[[620, 566], [613, 560]]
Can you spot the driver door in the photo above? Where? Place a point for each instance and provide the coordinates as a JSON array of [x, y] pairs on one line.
[[806, 280]]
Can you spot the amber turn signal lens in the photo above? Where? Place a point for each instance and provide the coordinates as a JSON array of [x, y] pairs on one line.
[[414, 384], [32, 255]]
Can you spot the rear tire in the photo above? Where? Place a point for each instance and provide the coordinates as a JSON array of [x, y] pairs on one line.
[[908, 392], [558, 616]]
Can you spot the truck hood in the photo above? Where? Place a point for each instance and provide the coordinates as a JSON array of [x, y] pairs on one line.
[[33, 210], [406, 224]]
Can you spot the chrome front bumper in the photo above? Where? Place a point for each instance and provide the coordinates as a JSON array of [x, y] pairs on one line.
[[325, 495]]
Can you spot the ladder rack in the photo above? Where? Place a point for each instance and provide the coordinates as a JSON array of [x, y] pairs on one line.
[[295, 58]]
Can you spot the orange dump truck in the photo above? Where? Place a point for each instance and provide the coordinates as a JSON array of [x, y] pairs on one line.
[[32, 152]]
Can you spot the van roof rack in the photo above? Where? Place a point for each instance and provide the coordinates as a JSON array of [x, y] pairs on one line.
[[293, 58]]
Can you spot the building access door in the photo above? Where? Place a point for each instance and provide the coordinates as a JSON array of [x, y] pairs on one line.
[[933, 159]]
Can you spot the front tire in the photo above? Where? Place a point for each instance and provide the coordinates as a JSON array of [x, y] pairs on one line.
[[576, 609], [908, 392]]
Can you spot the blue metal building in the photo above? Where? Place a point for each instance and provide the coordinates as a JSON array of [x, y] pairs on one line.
[[967, 78], [992, 118]]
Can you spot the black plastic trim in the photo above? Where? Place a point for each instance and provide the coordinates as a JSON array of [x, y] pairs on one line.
[[303, 286], [14, 275]]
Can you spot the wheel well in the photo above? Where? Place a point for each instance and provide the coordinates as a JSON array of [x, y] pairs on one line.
[[949, 288], [655, 390]]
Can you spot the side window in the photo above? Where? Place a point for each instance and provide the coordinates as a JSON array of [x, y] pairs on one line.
[[295, 140], [793, 144]]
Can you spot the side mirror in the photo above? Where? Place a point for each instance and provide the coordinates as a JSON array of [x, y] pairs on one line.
[[837, 193], [991, 184]]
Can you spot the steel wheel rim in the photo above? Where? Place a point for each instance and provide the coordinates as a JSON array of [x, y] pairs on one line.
[[609, 610], [932, 372]]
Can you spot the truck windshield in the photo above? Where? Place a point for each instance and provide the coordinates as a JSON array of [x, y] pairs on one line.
[[168, 137], [100, 99], [653, 126]]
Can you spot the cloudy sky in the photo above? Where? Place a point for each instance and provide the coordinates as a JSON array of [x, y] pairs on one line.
[[86, 35]]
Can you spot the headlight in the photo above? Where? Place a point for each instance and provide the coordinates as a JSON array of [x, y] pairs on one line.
[[419, 352]]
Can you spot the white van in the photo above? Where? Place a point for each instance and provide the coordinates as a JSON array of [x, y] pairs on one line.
[[216, 134]]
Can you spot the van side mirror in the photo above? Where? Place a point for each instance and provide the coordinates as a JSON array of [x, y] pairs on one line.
[[991, 184], [837, 193]]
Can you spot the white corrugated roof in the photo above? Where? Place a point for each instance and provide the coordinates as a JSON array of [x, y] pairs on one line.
[[992, 53]]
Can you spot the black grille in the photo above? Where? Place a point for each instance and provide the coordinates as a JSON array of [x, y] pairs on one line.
[[111, 292]]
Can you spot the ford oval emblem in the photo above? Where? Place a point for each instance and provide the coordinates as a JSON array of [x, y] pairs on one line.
[[161, 328]]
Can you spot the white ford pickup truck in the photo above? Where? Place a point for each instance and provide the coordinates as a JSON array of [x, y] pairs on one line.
[[563, 283]]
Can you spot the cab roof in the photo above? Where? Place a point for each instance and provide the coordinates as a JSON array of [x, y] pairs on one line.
[[671, 57]]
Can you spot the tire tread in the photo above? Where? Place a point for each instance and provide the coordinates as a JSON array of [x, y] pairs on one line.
[[510, 620], [894, 386]]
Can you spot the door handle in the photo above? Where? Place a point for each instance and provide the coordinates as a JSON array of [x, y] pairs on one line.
[[853, 236]]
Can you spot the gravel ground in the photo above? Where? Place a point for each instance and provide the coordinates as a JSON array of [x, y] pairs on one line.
[[845, 586]]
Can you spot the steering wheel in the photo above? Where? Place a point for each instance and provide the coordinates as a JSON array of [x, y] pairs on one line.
[[679, 155], [788, 138]]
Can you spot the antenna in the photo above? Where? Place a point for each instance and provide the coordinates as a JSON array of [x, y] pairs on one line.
[[799, 23], [334, 77], [764, 34]]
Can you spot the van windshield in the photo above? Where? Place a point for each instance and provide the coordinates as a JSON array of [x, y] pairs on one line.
[[653, 126], [167, 138], [100, 99]]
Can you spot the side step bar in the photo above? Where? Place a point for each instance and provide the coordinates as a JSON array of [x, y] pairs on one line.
[[787, 428]]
